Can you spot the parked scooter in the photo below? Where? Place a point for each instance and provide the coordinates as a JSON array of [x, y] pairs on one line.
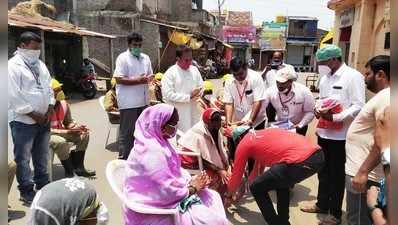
[[85, 84]]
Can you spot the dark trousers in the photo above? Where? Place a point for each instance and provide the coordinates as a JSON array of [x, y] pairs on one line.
[[302, 131], [281, 177], [271, 113], [30, 141], [332, 177], [128, 117]]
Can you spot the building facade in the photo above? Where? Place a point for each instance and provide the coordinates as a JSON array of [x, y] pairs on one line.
[[302, 42], [361, 29]]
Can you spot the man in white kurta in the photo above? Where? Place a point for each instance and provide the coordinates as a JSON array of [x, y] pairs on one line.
[[181, 86]]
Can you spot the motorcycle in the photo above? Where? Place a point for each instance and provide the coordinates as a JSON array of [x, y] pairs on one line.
[[85, 84]]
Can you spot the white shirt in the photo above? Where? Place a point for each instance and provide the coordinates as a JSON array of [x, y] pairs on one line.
[[299, 102], [270, 77], [127, 65], [177, 85], [348, 86], [360, 135], [251, 91], [25, 94]]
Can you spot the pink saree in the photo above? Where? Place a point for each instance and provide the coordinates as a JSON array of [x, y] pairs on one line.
[[154, 177]]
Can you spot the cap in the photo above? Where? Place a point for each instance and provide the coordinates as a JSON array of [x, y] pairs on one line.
[[285, 74], [113, 82], [227, 77], [158, 76], [55, 84], [328, 52], [238, 131], [208, 86]]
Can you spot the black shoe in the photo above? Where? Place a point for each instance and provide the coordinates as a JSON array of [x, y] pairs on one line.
[[27, 197], [78, 163], [85, 173], [68, 166]]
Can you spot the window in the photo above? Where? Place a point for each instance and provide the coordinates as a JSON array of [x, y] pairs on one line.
[[387, 41]]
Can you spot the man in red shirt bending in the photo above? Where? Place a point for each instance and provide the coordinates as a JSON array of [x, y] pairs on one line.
[[291, 158]]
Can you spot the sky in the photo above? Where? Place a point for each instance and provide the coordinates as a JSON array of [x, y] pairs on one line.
[[267, 10]]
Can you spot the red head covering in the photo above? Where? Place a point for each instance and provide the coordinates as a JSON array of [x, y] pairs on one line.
[[207, 114]]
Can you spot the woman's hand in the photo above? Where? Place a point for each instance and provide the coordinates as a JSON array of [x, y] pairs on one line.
[[200, 181], [371, 197], [225, 176]]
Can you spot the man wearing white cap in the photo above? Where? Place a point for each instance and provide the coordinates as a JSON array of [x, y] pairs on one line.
[[292, 101]]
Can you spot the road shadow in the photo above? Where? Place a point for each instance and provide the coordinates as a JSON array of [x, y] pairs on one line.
[[16, 214], [299, 194], [241, 209], [250, 216]]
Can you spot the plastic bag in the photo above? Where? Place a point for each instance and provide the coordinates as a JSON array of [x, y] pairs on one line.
[[332, 105]]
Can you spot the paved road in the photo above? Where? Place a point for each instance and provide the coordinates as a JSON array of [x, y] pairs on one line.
[[89, 112]]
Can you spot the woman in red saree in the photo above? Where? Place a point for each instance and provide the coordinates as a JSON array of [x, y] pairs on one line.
[[206, 138]]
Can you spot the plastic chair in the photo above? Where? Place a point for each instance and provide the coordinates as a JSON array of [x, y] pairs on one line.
[[110, 125], [115, 174], [196, 154]]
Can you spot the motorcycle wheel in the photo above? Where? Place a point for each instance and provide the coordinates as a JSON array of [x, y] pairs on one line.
[[90, 90]]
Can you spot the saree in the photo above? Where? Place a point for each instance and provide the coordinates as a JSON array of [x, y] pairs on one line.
[[154, 177]]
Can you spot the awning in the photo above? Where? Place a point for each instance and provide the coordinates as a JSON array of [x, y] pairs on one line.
[[164, 24], [49, 25], [327, 39]]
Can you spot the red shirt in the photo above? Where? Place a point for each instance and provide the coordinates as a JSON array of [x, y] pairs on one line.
[[268, 147]]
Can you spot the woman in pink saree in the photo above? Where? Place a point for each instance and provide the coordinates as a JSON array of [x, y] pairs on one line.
[[154, 176]]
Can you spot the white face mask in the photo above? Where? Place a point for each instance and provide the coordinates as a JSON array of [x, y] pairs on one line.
[[207, 97], [324, 70], [31, 56], [102, 215]]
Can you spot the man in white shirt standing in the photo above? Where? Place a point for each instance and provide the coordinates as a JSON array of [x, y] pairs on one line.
[[269, 75], [360, 141], [182, 85], [292, 101], [133, 73], [243, 96], [346, 85], [31, 103]]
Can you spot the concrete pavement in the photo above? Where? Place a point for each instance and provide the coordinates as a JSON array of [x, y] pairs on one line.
[[90, 113]]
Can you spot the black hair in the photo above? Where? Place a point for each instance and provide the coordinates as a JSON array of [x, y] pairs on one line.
[[380, 62], [28, 36], [278, 52], [207, 92], [236, 63], [181, 49], [232, 145], [136, 37]]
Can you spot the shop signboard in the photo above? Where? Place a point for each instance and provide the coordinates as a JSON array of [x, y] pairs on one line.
[[243, 34], [273, 36]]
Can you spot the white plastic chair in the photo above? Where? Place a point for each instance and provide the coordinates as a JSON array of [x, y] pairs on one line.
[[115, 174], [110, 125], [196, 154]]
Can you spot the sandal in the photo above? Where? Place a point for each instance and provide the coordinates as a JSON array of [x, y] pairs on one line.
[[313, 209], [330, 220]]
